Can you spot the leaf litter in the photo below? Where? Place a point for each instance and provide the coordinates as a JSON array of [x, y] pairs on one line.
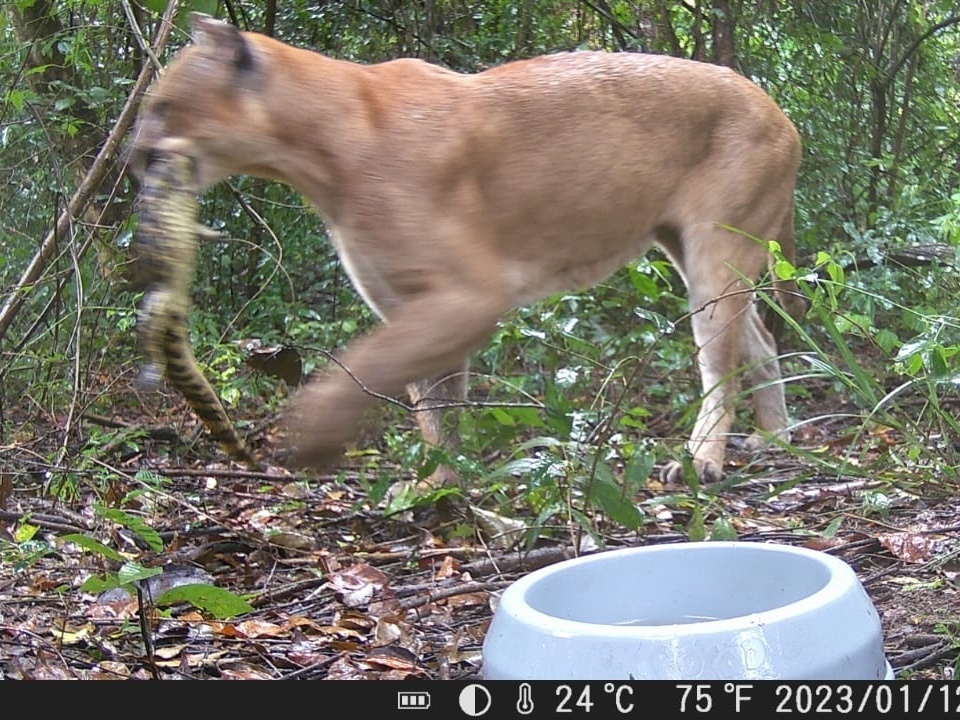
[[302, 578]]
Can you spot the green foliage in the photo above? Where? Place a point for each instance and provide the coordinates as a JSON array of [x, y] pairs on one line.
[[92, 545], [24, 548], [134, 524], [221, 604], [130, 574], [569, 385], [125, 578], [567, 474], [835, 343]]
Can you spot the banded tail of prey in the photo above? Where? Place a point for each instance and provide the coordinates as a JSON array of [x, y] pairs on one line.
[[164, 253]]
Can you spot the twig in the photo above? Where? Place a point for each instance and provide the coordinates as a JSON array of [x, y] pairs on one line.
[[443, 594], [47, 522], [138, 34], [310, 669], [222, 473], [540, 557], [923, 657]]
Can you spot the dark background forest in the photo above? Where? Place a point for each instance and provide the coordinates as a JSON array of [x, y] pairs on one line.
[[580, 397]]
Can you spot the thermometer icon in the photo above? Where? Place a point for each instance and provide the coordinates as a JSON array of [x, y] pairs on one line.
[[525, 703]]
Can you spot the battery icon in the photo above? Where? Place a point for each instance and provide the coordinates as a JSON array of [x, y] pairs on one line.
[[409, 700]]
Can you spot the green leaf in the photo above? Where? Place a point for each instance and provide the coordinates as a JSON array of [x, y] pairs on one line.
[[220, 603], [24, 532], [663, 324], [637, 470], [586, 523], [27, 553], [834, 526], [723, 529], [522, 467], [17, 98], [151, 478], [135, 524], [938, 362], [132, 572], [610, 498], [784, 270], [836, 273], [690, 476], [97, 585], [695, 528], [645, 285], [89, 543], [886, 339], [407, 496]]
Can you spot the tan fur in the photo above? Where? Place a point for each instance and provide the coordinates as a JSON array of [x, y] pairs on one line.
[[453, 198]]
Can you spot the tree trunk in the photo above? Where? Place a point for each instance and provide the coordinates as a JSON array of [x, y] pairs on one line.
[[722, 27]]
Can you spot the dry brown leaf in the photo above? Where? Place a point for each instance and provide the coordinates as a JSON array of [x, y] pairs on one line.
[[305, 655], [110, 670], [448, 567], [393, 657], [801, 496], [346, 669], [293, 540], [502, 532], [194, 660], [387, 608], [299, 621], [51, 672], [248, 629], [167, 652], [356, 585], [912, 547], [346, 646], [454, 655], [243, 671], [354, 620], [48, 666], [295, 490], [391, 631], [824, 543], [262, 519], [466, 600], [68, 635]]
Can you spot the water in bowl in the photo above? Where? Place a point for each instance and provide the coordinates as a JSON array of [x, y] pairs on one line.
[[672, 620]]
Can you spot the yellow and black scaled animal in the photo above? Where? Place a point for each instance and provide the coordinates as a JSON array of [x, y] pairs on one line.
[[163, 259]]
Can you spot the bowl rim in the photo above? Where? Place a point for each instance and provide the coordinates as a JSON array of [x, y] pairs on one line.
[[841, 580]]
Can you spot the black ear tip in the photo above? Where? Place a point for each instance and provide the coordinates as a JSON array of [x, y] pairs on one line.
[[244, 58], [226, 38]]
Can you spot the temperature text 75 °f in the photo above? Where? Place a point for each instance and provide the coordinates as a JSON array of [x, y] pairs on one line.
[[699, 698]]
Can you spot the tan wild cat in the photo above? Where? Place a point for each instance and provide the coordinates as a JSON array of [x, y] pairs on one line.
[[453, 198]]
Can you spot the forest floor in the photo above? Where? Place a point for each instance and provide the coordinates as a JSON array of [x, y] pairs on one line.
[[336, 589]]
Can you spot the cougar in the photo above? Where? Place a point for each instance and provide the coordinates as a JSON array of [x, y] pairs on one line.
[[453, 198]]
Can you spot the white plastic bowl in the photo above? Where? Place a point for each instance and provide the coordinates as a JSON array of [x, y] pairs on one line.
[[692, 611]]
